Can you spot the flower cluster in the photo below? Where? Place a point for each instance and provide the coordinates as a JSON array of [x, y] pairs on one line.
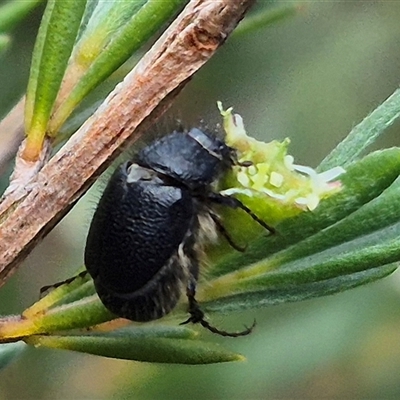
[[273, 179]]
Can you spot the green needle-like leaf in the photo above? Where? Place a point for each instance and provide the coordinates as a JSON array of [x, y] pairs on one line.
[[324, 245], [292, 293], [379, 248], [14, 11], [142, 347], [364, 134], [77, 289], [56, 37], [379, 213], [82, 313], [375, 215], [367, 252], [106, 43], [363, 181], [266, 17]]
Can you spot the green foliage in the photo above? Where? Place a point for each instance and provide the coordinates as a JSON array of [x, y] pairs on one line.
[[351, 239], [365, 133], [266, 17], [55, 40], [13, 12], [79, 45], [161, 345]]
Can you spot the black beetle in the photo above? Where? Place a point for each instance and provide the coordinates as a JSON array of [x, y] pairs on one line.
[[147, 232], [143, 244]]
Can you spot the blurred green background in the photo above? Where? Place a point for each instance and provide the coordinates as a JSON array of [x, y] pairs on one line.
[[311, 77]]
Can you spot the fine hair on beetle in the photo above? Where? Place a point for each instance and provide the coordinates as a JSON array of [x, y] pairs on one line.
[[146, 238]]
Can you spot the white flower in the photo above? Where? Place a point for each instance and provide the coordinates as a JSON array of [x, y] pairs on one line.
[[273, 175]]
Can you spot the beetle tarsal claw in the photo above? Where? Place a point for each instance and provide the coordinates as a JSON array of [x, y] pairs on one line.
[[217, 331], [186, 322]]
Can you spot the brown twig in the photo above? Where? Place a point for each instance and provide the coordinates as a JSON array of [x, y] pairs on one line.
[[187, 44]]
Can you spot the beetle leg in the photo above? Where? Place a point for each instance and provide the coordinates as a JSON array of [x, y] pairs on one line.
[[224, 233], [197, 315], [45, 289], [233, 202], [213, 329], [245, 164]]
